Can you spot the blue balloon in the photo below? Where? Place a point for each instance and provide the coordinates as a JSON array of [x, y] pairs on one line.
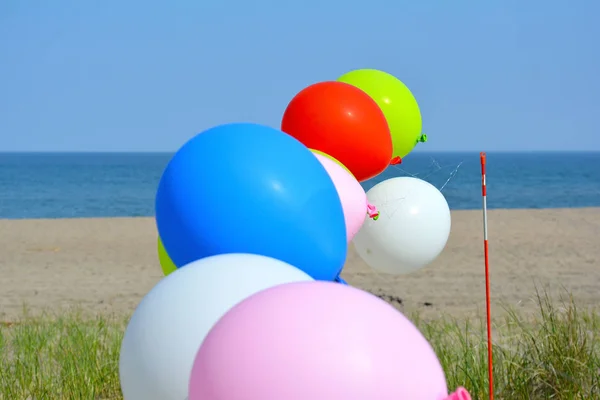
[[248, 188]]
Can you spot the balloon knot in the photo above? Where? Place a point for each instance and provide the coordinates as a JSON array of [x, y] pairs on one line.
[[422, 138], [372, 212], [460, 394], [340, 280], [396, 160]]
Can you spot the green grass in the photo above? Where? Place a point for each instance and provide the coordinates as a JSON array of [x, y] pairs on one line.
[[553, 354]]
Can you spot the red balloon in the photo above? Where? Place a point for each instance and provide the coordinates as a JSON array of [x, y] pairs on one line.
[[344, 122]]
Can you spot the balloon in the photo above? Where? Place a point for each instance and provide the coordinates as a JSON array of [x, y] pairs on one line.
[[318, 341], [332, 159], [460, 394], [412, 228], [165, 261], [247, 188], [344, 122], [397, 103], [352, 195], [169, 324]]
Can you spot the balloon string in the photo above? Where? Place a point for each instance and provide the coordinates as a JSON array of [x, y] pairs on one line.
[[452, 174], [372, 212]]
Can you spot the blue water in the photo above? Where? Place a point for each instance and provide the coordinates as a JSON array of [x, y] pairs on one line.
[[110, 185]]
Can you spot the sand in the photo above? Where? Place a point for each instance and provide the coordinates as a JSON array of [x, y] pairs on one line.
[[108, 265]]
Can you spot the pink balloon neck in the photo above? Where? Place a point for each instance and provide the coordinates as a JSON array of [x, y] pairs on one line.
[[460, 394], [372, 211]]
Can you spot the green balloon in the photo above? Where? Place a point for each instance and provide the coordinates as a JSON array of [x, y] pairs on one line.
[[397, 103], [165, 261]]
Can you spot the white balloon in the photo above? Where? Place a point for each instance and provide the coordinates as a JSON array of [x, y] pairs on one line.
[[412, 229], [170, 323]]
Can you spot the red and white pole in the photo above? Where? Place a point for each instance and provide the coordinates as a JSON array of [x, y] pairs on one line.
[[487, 278]]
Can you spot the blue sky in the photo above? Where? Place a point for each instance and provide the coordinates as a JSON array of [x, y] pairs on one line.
[[146, 75]]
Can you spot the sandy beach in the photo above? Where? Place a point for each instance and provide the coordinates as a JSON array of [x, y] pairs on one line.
[[108, 265]]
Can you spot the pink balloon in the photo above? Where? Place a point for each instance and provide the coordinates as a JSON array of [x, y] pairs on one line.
[[318, 341], [352, 195]]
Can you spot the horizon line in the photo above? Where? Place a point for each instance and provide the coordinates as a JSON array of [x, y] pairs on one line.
[[141, 152]]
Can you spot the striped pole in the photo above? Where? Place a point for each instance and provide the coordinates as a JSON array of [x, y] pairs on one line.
[[487, 278]]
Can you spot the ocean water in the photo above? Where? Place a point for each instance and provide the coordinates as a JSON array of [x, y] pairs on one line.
[[56, 185]]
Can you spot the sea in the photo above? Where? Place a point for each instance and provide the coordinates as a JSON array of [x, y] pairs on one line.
[[74, 185]]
